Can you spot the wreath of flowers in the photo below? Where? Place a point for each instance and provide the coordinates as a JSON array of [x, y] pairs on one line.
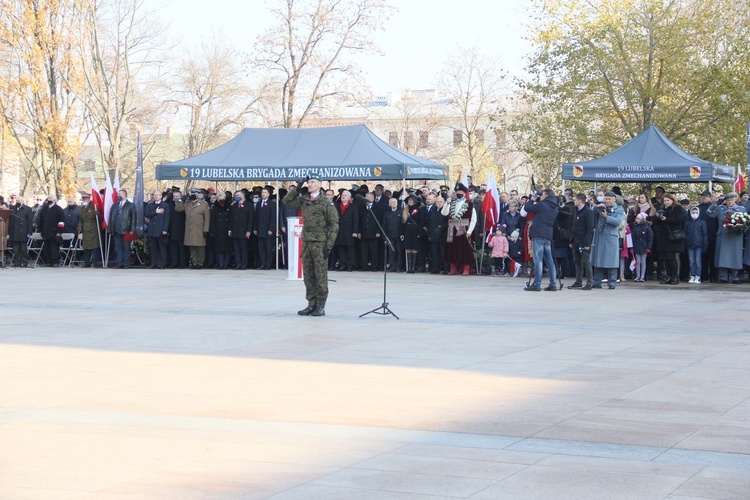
[[736, 222]]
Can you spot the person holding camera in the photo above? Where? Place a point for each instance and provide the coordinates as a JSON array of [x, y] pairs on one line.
[[545, 209], [605, 245], [581, 236], [669, 236], [728, 243], [319, 231]]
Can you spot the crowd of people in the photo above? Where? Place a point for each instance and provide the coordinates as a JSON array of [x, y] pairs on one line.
[[597, 237]]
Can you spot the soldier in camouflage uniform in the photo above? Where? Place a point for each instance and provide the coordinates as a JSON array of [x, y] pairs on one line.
[[321, 224]]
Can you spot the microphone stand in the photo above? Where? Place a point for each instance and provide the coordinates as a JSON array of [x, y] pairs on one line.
[[383, 310]]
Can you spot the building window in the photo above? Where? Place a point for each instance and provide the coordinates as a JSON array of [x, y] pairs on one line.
[[393, 139], [457, 138], [424, 140], [500, 138], [408, 140]]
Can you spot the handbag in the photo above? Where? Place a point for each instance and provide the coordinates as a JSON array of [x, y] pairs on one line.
[[675, 235]]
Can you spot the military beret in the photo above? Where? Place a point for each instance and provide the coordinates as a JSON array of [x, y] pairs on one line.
[[314, 175]]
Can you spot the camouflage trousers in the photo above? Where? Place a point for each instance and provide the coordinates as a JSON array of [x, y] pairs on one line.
[[315, 273]]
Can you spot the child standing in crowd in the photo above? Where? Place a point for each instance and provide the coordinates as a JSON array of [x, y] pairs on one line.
[[643, 241], [627, 243], [515, 250], [696, 242], [499, 245]]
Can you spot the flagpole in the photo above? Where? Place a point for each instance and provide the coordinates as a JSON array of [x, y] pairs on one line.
[[99, 235]]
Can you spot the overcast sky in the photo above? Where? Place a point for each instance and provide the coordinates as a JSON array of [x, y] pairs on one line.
[[415, 42]]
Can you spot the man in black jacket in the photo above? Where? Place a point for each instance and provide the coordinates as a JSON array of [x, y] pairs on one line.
[[545, 210], [393, 226], [122, 222], [580, 241], [437, 225], [157, 213], [51, 225], [241, 221], [20, 227], [369, 235], [265, 228]]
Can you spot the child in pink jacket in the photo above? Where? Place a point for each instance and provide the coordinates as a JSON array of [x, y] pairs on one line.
[[499, 245]]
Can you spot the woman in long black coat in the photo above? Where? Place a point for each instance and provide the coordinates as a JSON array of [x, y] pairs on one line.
[[413, 219], [669, 219], [220, 231], [346, 239]]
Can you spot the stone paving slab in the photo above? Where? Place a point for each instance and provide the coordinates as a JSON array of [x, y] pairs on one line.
[[206, 384]]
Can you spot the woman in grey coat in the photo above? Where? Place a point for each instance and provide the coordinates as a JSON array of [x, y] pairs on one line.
[[728, 243], [605, 246]]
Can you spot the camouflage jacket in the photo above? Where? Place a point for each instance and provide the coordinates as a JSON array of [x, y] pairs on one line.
[[321, 222]]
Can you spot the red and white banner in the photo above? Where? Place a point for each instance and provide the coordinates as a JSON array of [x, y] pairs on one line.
[[294, 248], [107, 199], [490, 204], [739, 184]]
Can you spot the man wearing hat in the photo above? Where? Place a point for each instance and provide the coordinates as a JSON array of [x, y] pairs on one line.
[[197, 224], [319, 230], [51, 226], [605, 245], [708, 270], [88, 225], [462, 219], [728, 243]]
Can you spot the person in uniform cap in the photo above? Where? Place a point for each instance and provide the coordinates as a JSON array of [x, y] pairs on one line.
[[462, 219], [88, 226], [321, 225], [197, 225]]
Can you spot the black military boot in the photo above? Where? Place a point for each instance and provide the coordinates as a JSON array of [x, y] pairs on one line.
[[319, 311], [307, 311]]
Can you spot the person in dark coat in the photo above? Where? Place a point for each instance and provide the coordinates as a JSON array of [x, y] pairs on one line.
[[241, 221], [177, 253], [429, 211], [121, 222], [72, 212], [437, 227], [20, 227], [708, 270], [265, 229], [413, 219], [158, 214], [220, 229], [346, 238], [696, 243], [51, 226], [369, 236], [643, 242], [393, 226], [89, 224], [545, 211], [581, 235], [669, 218]]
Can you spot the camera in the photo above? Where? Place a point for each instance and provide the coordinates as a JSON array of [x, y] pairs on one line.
[[660, 213]]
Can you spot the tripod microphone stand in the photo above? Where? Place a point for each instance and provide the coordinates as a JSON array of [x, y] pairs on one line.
[[383, 310]]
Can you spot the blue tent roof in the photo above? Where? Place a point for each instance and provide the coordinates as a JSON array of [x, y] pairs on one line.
[[648, 157], [335, 153]]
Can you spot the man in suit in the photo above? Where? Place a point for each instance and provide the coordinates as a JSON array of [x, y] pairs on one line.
[[177, 253], [369, 235], [265, 228], [241, 220], [157, 212], [379, 207], [121, 222]]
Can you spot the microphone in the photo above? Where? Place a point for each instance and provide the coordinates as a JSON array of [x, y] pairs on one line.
[[361, 200]]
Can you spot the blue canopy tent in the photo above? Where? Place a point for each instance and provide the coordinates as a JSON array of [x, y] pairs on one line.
[[648, 157], [283, 154]]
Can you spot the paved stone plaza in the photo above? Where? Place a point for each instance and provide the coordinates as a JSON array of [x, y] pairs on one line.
[[206, 384]]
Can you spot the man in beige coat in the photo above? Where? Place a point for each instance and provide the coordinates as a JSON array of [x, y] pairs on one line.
[[197, 224]]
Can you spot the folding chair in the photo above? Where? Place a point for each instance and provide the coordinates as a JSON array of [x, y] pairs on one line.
[[34, 251], [76, 252], [68, 244]]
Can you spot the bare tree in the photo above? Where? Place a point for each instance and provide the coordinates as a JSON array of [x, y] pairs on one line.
[[212, 89], [121, 50], [308, 49], [475, 85], [416, 117], [43, 117]]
